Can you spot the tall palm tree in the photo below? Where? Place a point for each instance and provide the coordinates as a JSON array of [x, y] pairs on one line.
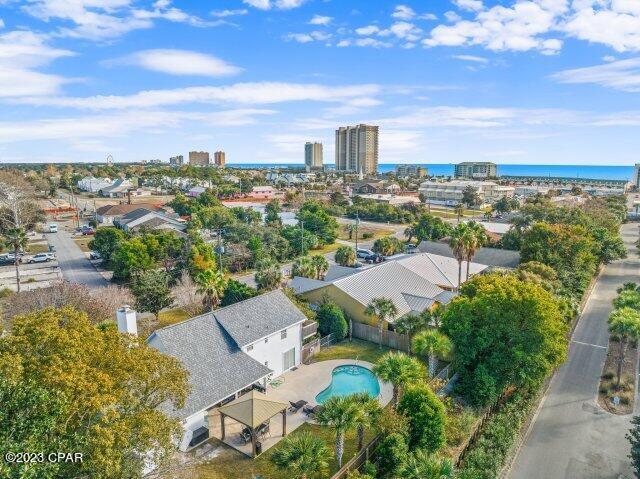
[[211, 283], [457, 243], [422, 465], [369, 411], [624, 323], [303, 267], [383, 309], [434, 344], [459, 209], [302, 455], [476, 239], [341, 414], [399, 370], [16, 239], [320, 265]]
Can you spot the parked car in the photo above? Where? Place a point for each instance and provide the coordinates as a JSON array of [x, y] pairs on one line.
[[42, 258], [375, 258], [5, 260], [363, 253], [53, 228], [11, 257], [411, 248], [87, 230], [95, 255]]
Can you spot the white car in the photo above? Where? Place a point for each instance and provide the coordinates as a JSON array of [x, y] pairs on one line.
[[42, 258], [364, 253]]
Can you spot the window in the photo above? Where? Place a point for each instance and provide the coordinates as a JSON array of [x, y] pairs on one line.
[[250, 348], [283, 334]]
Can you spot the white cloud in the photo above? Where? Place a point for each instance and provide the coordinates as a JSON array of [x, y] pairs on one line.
[[621, 75], [308, 37], [615, 23], [517, 28], [371, 42], [120, 124], [320, 20], [279, 4], [471, 5], [21, 54], [368, 30], [240, 93], [428, 16], [452, 16], [179, 62], [403, 12], [104, 19], [406, 31], [470, 58], [229, 13]]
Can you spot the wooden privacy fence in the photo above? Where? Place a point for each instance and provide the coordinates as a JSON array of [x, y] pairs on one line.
[[314, 347], [358, 460], [390, 339]]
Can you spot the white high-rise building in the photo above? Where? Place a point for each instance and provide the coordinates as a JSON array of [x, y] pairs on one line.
[[357, 149], [636, 175], [313, 155]]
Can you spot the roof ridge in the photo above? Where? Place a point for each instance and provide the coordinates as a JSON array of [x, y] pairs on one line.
[[428, 255], [365, 270]]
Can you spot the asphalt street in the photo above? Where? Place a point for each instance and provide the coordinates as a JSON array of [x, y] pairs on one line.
[[572, 437], [75, 266]]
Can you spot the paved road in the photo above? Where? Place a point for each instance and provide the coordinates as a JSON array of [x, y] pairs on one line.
[[75, 266], [572, 438]]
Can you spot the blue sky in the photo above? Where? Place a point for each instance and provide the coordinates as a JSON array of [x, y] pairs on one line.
[[527, 81]]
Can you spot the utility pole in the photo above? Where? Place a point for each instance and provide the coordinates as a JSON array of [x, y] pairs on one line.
[[302, 237], [220, 249], [357, 222]]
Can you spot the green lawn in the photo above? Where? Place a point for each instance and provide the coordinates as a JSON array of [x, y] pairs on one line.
[[376, 233], [232, 464], [172, 316], [363, 350], [83, 242]]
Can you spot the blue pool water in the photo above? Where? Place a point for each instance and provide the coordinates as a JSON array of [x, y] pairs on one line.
[[349, 379]]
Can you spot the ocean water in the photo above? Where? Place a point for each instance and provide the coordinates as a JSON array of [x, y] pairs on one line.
[[440, 169]]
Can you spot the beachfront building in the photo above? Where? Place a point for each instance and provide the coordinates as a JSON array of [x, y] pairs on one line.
[[450, 193], [405, 171], [199, 158], [313, 155], [476, 170], [220, 159], [636, 175], [357, 149]]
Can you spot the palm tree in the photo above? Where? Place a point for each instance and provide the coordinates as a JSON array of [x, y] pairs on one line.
[[345, 256], [302, 455], [457, 243], [459, 209], [383, 309], [211, 283], [410, 324], [409, 233], [320, 265], [475, 240], [350, 229], [399, 370], [341, 414], [422, 465], [624, 323], [434, 344], [303, 267], [16, 239], [369, 411]]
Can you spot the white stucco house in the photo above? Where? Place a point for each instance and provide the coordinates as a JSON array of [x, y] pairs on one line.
[[230, 351], [94, 185]]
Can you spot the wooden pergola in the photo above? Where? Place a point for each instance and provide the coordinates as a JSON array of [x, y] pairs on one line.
[[252, 410]]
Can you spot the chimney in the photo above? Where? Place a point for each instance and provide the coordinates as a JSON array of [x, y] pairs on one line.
[[127, 320]]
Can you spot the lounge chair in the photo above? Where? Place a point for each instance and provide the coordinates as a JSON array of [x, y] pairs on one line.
[[245, 435], [295, 406], [310, 410]]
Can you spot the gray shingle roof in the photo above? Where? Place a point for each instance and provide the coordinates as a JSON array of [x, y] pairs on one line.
[[257, 317], [217, 367], [503, 258]]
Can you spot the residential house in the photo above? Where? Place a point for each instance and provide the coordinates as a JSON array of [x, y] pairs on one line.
[[263, 192], [123, 188], [450, 193], [500, 258], [232, 350], [156, 220], [374, 187], [94, 185], [409, 291], [108, 213], [440, 270]]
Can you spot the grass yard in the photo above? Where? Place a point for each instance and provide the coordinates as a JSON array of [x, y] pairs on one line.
[[365, 233], [172, 316], [363, 350], [39, 247], [233, 464], [83, 242]]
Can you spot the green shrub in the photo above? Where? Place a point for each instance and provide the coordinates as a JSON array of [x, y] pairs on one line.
[[608, 376], [331, 320], [426, 415], [367, 235], [392, 453]]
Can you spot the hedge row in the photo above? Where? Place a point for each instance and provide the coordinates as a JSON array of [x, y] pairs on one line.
[[487, 457]]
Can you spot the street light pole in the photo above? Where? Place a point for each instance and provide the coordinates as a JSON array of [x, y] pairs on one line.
[[357, 222]]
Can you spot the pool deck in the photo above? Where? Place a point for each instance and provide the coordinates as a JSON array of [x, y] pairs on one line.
[[305, 382]]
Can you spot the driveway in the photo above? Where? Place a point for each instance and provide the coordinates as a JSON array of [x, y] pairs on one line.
[[75, 266], [572, 437]]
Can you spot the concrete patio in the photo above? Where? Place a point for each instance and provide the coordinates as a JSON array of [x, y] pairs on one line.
[[303, 383]]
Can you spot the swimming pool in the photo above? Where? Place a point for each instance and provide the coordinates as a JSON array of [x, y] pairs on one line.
[[349, 379]]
